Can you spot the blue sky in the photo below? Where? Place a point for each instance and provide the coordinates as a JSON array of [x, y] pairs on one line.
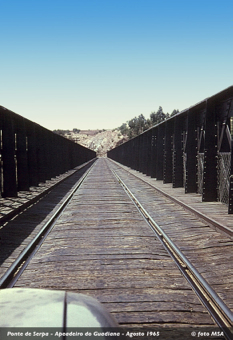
[[97, 63]]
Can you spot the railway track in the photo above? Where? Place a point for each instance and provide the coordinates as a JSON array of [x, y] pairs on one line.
[[99, 243], [209, 250], [202, 215], [11, 207], [16, 269], [216, 307], [24, 222]]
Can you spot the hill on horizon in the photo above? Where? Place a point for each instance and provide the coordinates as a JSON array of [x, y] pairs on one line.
[[99, 141]]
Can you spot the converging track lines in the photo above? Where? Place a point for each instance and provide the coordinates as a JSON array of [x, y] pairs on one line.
[[102, 246]]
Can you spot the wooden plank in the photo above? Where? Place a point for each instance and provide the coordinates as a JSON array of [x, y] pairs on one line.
[[209, 251], [101, 246]]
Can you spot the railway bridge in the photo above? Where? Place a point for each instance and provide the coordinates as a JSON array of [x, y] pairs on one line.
[[147, 231]]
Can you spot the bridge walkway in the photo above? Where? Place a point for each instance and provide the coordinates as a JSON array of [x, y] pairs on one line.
[[101, 246]]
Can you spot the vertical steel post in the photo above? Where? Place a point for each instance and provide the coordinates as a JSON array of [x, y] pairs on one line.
[[8, 155], [144, 153], [191, 151], [21, 153], [48, 165], [41, 154], [54, 154], [167, 165], [160, 152], [210, 155], [140, 137], [149, 152], [132, 152], [177, 167], [137, 154], [153, 152], [32, 154]]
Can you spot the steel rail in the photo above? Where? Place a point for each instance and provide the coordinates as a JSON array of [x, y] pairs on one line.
[[35, 199], [211, 222], [14, 272], [215, 306]]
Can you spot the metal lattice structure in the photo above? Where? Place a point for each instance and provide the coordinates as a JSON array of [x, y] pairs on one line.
[[200, 172], [184, 168], [31, 154], [193, 149], [224, 167]]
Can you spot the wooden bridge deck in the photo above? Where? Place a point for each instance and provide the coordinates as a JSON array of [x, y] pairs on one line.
[[101, 246], [216, 211], [209, 250]]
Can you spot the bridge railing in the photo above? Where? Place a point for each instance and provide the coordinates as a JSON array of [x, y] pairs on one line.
[[193, 149], [31, 154]]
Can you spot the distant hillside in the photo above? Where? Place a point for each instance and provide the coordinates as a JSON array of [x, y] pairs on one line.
[[100, 141]]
